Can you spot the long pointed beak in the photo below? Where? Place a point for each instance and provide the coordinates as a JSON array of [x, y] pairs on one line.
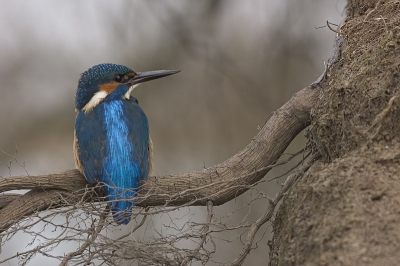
[[150, 75]]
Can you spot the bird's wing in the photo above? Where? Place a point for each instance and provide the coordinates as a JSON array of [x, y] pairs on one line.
[[89, 144]]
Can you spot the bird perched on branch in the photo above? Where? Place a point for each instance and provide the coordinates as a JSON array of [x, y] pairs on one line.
[[111, 141]]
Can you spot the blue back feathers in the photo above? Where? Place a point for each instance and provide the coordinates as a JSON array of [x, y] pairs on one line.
[[113, 139]]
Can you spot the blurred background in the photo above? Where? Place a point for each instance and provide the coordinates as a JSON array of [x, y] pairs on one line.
[[240, 61]]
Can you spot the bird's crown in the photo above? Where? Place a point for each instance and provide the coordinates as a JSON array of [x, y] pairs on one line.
[[101, 74]]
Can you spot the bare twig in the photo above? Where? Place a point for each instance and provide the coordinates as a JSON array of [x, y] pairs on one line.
[[332, 29], [373, 10], [94, 232], [196, 252]]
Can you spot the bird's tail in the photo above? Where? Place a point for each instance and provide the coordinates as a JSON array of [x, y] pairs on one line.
[[121, 203]]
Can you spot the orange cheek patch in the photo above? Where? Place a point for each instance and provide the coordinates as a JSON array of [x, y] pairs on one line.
[[109, 87]]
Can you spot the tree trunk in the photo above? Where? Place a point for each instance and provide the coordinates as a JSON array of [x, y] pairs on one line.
[[346, 210]]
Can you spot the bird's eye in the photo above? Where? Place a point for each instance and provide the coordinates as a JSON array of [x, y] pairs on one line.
[[117, 78]]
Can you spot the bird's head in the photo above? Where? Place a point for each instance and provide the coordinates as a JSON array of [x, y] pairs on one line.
[[110, 81]]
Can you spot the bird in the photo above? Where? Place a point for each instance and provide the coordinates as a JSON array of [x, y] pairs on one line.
[[112, 145]]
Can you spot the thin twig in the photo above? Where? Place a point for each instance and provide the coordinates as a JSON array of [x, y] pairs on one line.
[[195, 253], [332, 29], [88, 242], [373, 10]]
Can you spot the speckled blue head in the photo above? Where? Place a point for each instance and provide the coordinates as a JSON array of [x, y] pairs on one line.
[[93, 78]]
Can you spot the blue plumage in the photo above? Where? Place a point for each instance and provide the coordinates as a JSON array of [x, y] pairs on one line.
[[112, 143], [114, 149]]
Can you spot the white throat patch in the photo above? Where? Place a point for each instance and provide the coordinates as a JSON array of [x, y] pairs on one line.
[[99, 96], [127, 95], [96, 99]]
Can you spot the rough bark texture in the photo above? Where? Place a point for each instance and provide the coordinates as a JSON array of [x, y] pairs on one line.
[[346, 211]]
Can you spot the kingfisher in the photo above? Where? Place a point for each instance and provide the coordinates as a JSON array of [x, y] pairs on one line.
[[112, 145]]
